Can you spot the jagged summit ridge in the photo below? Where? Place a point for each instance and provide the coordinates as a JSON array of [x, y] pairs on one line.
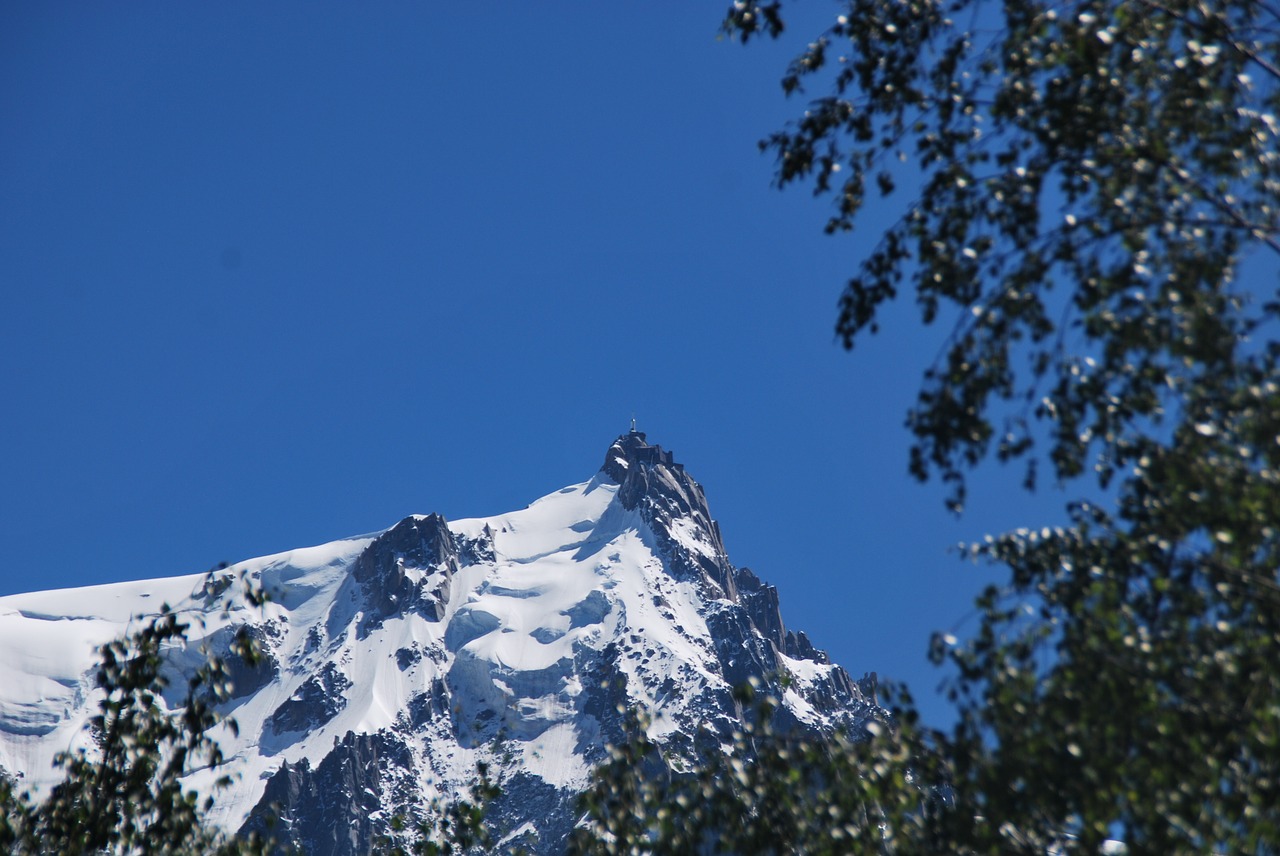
[[631, 450], [397, 661], [674, 506]]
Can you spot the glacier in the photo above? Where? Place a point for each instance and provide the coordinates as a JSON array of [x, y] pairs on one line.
[[398, 660]]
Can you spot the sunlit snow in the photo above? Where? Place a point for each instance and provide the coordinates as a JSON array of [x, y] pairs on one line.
[[569, 574]]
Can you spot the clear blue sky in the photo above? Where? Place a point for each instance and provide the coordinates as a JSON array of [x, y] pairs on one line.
[[272, 274]]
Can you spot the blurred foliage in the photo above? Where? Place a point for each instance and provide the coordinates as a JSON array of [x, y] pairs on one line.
[[1082, 184], [1079, 183], [765, 790], [452, 827], [127, 794]]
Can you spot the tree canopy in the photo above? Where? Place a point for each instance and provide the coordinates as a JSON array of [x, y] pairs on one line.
[[130, 794], [1080, 184]]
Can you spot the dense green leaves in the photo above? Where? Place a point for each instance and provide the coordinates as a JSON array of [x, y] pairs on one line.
[[764, 790], [1085, 180], [129, 795], [452, 828], [1122, 153], [1089, 178], [1079, 185]]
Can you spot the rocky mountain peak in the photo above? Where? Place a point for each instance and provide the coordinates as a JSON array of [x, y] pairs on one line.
[[675, 507], [632, 452], [401, 659]]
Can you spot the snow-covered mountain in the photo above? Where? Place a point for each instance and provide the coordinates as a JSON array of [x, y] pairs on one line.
[[398, 660]]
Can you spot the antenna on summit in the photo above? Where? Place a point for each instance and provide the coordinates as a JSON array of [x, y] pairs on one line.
[[633, 423]]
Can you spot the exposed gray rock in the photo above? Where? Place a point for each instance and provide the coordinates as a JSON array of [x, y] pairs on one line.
[[523, 648], [342, 806], [480, 704], [314, 703], [651, 481], [422, 543]]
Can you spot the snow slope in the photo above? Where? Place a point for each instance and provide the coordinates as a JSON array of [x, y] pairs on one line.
[[398, 660]]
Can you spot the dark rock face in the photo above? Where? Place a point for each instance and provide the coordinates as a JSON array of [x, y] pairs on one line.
[[476, 550], [316, 702], [246, 679], [743, 654], [675, 508], [340, 807], [416, 542], [526, 800], [428, 706], [749, 632], [345, 804], [408, 657], [761, 603], [606, 685], [799, 647]]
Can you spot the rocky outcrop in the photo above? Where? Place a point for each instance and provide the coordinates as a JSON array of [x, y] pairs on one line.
[[675, 507], [246, 679], [340, 807], [761, 603], [477, 704], [395, 664], [421, 543], [746, 622], [314, 703]]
